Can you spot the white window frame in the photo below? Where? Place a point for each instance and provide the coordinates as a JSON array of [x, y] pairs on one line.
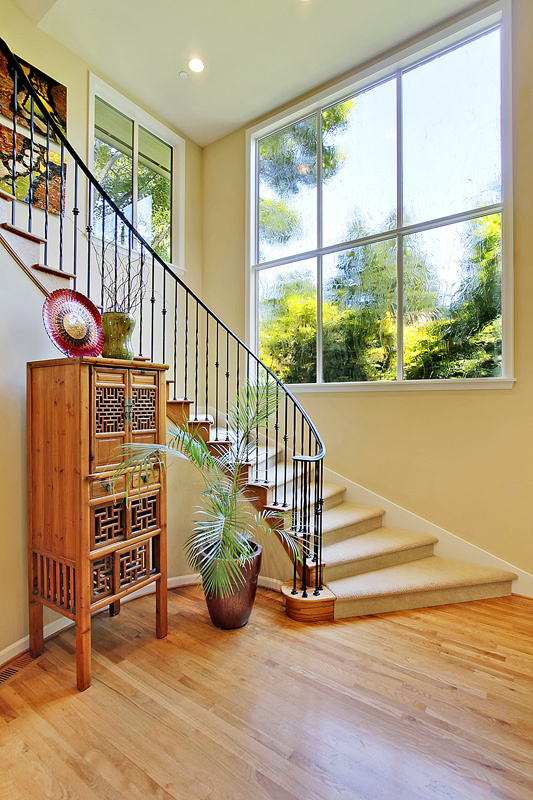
[[101, 89], [446, 37]]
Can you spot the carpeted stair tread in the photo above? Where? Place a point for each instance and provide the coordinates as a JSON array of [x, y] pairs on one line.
[[375, 543], [427, 574], [347, 514]]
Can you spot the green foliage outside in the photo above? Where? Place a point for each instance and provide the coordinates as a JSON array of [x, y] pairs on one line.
[[288, 163], [461, 339], [113, 170]]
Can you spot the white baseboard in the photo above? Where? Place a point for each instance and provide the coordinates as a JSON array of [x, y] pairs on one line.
[[448, 546], [58, 625]]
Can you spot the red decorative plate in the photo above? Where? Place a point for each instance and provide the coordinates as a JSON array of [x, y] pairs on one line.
[[73, 323]]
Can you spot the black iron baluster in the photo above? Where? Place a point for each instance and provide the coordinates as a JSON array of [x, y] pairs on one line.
[[320, 518], [164, 315], [256, 443], [285, 450], [186, 341], [116, 261], [61, 203], [276, 428], [238, 398], [141, 304], [75, 212], [30, 186], [130, 238], [206, 364], [227, 384], [102, 276], [217, 374], [89, 230], [14, 173], [175, 336], [304, 538], [268, 410], [196, 368], [152, 300], [46, 191]]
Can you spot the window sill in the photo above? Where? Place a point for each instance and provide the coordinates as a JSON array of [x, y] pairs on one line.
[[406, 386]]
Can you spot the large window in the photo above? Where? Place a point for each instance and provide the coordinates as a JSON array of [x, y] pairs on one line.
[[137, 162], [378, 226]]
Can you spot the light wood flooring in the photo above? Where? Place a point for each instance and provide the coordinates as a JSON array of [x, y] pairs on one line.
[[434, 704]]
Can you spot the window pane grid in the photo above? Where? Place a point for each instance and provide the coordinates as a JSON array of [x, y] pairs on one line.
[[419, 274]]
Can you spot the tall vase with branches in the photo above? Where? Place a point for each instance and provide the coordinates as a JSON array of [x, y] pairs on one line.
[[123, 287], [222, 544]]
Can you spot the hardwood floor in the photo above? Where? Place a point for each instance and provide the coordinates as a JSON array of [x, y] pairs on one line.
[[414, 705]]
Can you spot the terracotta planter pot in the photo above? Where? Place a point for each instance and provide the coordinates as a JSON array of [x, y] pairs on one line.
[[234, 610]]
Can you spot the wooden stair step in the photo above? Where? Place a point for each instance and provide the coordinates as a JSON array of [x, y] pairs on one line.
[[22, 232], [7, 196], [427, 582], [311, 608], [59, 273], [384, 547]]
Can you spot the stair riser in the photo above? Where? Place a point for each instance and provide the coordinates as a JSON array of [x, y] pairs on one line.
[[29, 252], [341, 534], [334, 572], [404, 602], [5, 210]]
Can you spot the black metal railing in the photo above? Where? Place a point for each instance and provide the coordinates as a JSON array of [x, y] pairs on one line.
[[89, 236]]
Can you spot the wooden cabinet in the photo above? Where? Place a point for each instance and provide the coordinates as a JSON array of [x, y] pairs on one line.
[[87, 548]]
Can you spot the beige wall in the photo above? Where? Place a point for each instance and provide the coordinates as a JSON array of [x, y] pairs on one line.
[[461, 459]]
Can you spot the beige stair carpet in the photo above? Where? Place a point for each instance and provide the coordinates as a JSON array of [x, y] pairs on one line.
[[384, 547], [426, 582]]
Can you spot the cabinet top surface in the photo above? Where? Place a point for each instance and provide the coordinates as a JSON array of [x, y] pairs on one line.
[[101, 362]]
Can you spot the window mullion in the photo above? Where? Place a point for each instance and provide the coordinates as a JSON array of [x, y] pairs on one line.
[[399, 223], [319, 337], [134, 177]]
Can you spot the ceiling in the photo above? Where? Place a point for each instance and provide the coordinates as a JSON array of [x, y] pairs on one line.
[[258, 54]]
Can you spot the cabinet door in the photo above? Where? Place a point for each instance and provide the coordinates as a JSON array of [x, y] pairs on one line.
[[144, 410], [109, 392]]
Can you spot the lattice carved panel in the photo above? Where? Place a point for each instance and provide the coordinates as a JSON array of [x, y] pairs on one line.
[[144, 408], [109, 523], [144, 514], [102, 578], [110, 409], [54, 580], [134, 565]]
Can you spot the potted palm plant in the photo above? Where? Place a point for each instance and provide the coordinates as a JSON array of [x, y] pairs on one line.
[[222, 546]]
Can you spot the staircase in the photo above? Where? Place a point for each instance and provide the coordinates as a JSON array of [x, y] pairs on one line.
[[367, 567], [355, 564]]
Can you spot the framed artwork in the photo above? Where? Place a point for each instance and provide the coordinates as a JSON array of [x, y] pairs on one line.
[[23, 164], [52, 94]]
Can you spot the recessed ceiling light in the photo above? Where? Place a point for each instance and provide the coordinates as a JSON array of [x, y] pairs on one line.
[[196, 65], [183, 74]]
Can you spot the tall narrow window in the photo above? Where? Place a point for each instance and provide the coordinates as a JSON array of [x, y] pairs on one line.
[[379, 227], [135, 163]]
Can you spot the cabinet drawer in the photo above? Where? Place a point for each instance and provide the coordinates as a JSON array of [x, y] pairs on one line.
[[105, 487]]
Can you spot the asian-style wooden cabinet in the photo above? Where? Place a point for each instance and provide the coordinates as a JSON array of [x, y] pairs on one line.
[[87, 547]]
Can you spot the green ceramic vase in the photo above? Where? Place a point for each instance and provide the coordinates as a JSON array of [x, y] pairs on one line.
[[118, 328]]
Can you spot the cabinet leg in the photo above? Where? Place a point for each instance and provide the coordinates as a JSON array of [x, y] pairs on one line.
[[83, 653], [114, 608], [161, 623], [36, 629]]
